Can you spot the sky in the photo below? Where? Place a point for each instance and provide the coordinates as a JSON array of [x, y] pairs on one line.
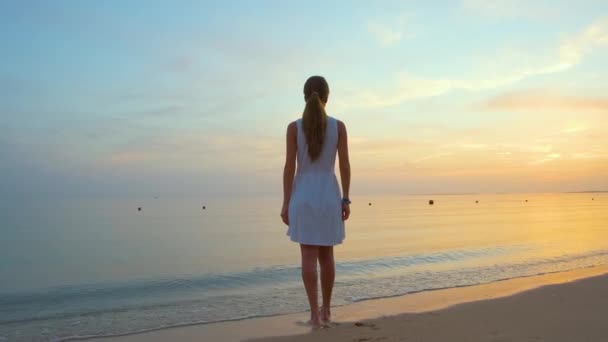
[[192, 98]]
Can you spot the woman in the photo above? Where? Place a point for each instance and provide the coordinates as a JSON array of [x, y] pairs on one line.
[[312, 207]]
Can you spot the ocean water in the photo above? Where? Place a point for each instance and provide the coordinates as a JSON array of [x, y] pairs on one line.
[[82, 267]]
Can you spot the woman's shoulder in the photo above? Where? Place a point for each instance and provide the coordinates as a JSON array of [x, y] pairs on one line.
[[292, 127], [336, 120], [340, 123]]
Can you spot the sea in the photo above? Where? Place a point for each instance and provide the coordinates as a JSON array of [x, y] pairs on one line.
[[77, 268]]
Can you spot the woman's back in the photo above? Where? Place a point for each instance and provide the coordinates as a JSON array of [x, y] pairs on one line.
[[327, 159], [315, 207]]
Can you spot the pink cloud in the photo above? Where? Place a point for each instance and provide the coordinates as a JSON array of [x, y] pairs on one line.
[[535, 100]]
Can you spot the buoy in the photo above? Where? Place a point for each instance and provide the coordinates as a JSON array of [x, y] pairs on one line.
[[139, 209], [431, 202]]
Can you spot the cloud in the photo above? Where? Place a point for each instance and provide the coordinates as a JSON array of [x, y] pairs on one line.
[[405, 88], [573, 49], [385, 35], [546, 158], [410, 87], [544, 100], [196, 150], [390, 32], [437, 155], [510, 9], [575, 129]]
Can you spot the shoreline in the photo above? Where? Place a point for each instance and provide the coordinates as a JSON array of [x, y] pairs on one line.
[[372, 309]]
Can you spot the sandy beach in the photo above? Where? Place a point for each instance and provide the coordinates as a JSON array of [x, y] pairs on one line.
[[574, 311], [565, 306]]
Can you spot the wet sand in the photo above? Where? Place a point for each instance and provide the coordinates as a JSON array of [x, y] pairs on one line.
[[565, 306]]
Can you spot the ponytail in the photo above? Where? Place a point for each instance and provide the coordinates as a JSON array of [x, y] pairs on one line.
[[314, 123]]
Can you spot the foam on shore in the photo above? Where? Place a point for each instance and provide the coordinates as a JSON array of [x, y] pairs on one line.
[[425, 301]]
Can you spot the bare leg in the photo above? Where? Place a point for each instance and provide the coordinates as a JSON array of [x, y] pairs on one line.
[[310, 254], [328, 275]]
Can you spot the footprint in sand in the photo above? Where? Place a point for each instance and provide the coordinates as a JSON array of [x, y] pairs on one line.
[[366, 325], [366, 339], [308, 324]]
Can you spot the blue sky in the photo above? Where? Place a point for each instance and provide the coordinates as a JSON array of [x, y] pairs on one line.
[[136, 98]]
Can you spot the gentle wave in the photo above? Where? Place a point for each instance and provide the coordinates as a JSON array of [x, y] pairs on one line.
[[92, 299], [278, 292]]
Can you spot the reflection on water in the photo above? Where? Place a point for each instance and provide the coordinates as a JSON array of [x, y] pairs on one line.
[[95, 267]]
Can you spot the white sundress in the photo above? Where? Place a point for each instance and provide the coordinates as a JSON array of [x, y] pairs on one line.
[[315, 207]]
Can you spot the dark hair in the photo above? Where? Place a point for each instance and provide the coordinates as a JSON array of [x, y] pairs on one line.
[[314, 118]]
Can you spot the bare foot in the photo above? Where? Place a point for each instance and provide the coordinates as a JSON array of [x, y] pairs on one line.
[[314, 321], [325, 314]]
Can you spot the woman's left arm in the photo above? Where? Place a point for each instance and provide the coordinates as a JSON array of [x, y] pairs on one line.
[[289, 169]]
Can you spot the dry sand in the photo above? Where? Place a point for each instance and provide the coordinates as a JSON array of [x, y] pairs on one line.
[[566, 306], [574, 312]]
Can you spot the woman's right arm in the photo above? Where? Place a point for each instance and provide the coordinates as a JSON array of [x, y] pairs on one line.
[[344, 166], [289, 169]]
